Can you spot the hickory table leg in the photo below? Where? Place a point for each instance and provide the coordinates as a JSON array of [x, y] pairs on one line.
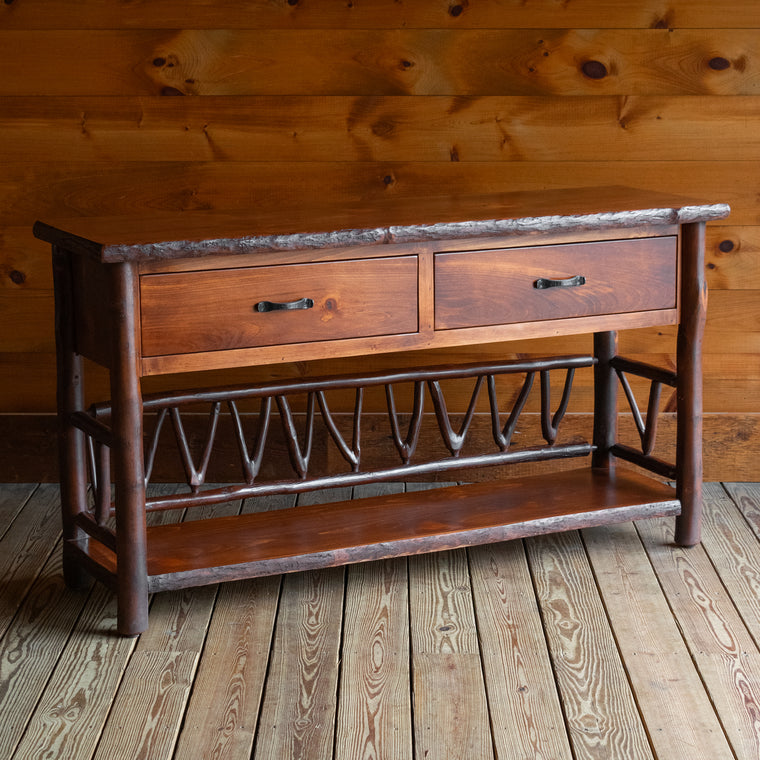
[[689, 389], [605, 399], [128, 462], [71, 441]]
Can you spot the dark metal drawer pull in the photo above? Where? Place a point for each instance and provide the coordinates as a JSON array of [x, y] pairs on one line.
[[303, 303], [571, 282]]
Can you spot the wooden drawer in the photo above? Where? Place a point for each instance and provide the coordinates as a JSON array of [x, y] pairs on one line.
[[214, 310], [474, 288]]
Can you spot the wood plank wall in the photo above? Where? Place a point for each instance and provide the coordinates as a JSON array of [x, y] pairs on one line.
[[136, 108]]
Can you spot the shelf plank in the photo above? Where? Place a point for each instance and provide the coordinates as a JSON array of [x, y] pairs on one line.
[[328, 535]]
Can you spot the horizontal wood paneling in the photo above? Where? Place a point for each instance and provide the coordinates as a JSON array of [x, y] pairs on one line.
[[733, 258], [33, 190], [732, 379], [364, 100], [493, 128], [381, 62], [378, 14]]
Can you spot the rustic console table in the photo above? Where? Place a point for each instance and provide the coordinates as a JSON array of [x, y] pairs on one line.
[[203, 291]]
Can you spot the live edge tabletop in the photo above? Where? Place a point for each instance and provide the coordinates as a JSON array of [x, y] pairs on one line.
[[195, 291]]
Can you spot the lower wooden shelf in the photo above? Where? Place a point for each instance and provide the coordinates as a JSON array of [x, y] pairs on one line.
[[325, 535]]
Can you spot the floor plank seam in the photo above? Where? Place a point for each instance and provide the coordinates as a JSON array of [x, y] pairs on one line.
[[737, 502], [410, 668], [265, 683], [194, 681], [685, 638], [481, 657], [339, 673], [619, 649], [547, 645], [20, 509]]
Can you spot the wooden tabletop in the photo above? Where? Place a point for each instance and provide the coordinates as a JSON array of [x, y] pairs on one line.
[[392, 220]]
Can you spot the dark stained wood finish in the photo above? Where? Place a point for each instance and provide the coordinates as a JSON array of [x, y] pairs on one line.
[[496, 287], [320, 225], [93, 330], [70, 400], [605, 399], [444, 252], [327, 535], [128, 461], [689, 390], [214, 310]]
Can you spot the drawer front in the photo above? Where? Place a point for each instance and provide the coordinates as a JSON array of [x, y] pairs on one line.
[[215, 310], [479, 288]]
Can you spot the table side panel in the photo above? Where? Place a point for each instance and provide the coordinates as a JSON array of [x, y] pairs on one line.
[[93, 329]]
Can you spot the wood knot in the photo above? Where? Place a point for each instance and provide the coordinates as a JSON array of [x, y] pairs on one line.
[[168, 62], [383, 128], [456, 10], [18, 278], [663, 22], [719, 63], [171, 91], [726, 246], [389, 180], [406, 64], [594, 69]]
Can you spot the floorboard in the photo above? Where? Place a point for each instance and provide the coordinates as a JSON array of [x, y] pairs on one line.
[[299, 708], [720, 645], [675, 707], [601, 713], [375, 711], [526, 714], [604, 644]]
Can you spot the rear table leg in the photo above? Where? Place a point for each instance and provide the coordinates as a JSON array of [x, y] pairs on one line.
[[71, 443]]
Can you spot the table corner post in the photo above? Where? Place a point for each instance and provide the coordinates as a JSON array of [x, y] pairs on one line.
[[693, 311], [72, 465], [128, 457]]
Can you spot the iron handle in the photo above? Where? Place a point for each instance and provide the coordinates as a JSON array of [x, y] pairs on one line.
[[301, 303], [571, 282]]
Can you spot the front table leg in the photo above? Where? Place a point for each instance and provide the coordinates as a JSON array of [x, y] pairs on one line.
[[128, 461], [689, 390]]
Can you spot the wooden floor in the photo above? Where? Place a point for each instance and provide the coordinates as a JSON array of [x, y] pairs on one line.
[[604, 644]]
